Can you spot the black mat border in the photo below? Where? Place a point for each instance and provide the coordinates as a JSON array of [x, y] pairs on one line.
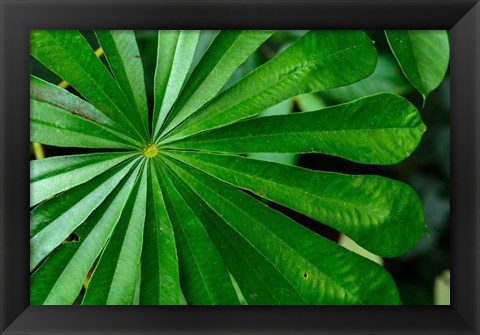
[[18, 17]]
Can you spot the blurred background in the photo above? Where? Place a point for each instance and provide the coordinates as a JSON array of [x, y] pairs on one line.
[[422, 274]]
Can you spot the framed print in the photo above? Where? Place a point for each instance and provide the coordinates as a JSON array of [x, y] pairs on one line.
[[324, 173]]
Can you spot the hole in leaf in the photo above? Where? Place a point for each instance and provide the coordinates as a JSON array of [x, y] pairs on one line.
[[305, 275], [73, 238]]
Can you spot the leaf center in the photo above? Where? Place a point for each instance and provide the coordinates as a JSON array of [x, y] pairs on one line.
[[150, 150]]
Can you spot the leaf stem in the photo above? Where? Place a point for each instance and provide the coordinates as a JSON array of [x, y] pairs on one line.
[[38, 150]]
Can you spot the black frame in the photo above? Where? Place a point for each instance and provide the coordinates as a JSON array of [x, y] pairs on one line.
[[18, 17]]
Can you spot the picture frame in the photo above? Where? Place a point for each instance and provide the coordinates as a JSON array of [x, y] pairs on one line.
[[461, 17]]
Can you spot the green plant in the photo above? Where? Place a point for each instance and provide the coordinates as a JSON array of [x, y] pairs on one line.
[[163, 218]]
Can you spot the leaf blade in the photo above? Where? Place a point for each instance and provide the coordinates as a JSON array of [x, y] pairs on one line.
[[423, 56], [53, 175], [283, 108], [379, 129], [346, 279], [160, 281], [121, 51], [54, 220], [198, 257], [48, 94], [68, 54], [382, 215], [385, 78], [118, 265], [176, 49], [259, 280], [311, 64], [59, 280], [59, 127], [43, 91], [228, 51]]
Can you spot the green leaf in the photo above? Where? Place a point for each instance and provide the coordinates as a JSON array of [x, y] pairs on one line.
[[423, 56], [321, 271], [387, 77], [114, 278], [382, 215], [160, 281], [56, 96], [68, 54], [259, 280], [203, 275], [441, 289], [228, 51], [136, 294], [283, 108], [59, 280], [57, 174], [319, 60], [176, 49], [205, 39], [54, 220], [59, 127], [121, 51], [240, 296], [349, 244], [380, 129], [182, 220], [310, 102]]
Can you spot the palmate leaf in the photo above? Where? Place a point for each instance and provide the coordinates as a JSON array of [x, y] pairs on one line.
[[167, 221]]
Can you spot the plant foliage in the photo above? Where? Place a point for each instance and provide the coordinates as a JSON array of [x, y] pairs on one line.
[[160, 213]]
